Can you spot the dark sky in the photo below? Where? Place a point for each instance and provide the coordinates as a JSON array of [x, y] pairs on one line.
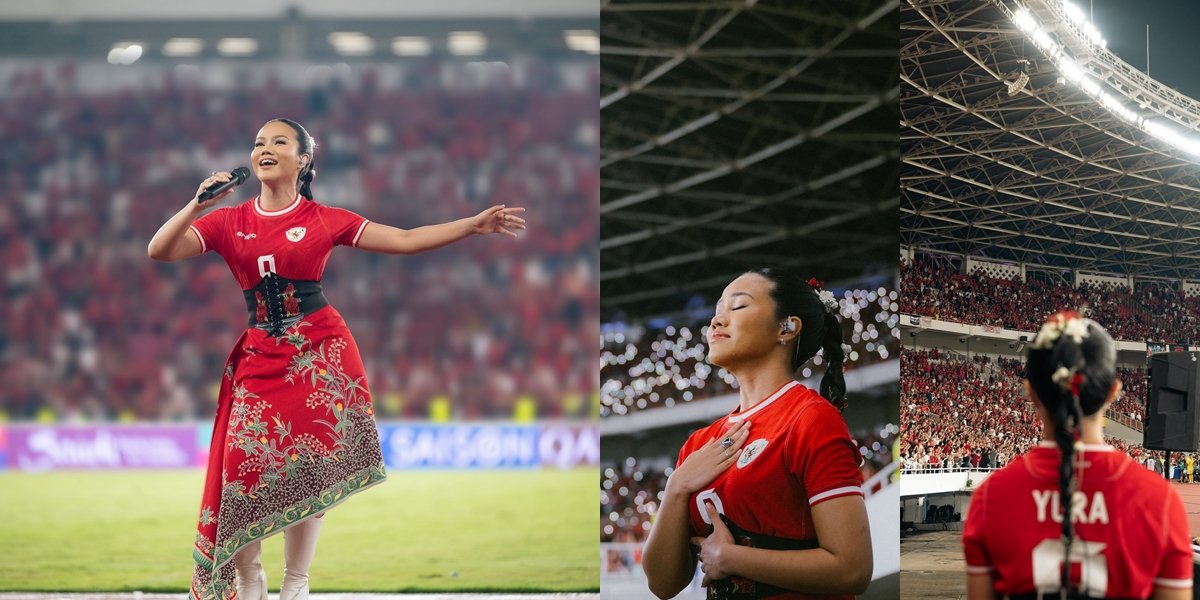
[[1174, 37]]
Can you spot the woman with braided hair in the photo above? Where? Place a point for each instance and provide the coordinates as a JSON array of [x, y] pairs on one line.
[[295, 431], [1124, 533], [768, 498]]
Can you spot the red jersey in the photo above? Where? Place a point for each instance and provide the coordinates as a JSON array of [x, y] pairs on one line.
[[798, 455], [1131, 530], [293, 242]]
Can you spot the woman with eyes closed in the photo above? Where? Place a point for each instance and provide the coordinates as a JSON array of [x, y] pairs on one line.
[[295, 430], [768, 498]]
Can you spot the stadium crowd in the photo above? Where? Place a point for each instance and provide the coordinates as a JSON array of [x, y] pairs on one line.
[[960, 413], [1151, 311], [644, 369], [92, 330]]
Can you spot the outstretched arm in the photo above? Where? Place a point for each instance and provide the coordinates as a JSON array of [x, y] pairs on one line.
[[393, 240]]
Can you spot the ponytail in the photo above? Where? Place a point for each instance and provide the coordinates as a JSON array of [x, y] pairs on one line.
[[306, 178], [833, 382], [1066, 423]]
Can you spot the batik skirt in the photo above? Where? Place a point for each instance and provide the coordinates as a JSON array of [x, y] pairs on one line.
[[294, 435]]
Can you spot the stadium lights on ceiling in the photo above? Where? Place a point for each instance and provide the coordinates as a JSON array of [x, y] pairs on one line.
[[125, 53], [582, 40], [232, 46], [183, 47], [411, 46], [352, 43], [467, 43], [1072, 72]]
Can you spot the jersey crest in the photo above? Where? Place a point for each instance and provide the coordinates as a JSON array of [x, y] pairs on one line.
[[751, 452], [295, 234]]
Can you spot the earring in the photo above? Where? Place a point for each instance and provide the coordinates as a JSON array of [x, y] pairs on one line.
[[782, 342]]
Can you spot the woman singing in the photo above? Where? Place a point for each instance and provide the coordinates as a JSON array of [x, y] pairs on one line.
[[295, 429], [770, 494], [1124, 534]]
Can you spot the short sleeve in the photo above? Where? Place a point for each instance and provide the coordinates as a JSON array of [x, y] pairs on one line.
[[345, 227], [1176, 569], [213, 230], [974, 539], [824, 457]]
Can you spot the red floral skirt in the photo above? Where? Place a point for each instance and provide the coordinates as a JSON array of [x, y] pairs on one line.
[[294, 435]]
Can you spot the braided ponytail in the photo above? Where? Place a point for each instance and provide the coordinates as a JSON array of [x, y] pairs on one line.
[[306, 178], [1071, 367]]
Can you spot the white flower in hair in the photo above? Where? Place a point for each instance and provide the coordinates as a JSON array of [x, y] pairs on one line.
[[1048, 335], [1062, 376], [1077, 329], [831, 303]]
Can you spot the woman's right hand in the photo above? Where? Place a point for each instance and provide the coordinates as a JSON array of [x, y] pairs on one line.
[[707, 463], [216, 178]]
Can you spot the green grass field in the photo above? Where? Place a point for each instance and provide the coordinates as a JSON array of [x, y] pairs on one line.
[[499, 531]]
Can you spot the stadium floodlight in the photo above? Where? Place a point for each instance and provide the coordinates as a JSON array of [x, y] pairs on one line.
[[1025, 21], [352, 43], [411, 46], [237, 46], [582, 40], [181, 46], [467, 43], [1074, 13], [125, 53]]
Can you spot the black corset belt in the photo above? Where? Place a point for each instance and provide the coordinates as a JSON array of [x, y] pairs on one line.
[[277, 303], [740, 588]]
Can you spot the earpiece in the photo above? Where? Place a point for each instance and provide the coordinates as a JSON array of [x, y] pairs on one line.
[[788, 326]]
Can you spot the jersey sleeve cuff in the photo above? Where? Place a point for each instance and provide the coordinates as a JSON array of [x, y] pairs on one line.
[[850, 490], [203, 246], [357, 235], [1178, 584]]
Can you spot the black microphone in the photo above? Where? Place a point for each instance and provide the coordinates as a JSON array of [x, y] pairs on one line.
[[239, 177]]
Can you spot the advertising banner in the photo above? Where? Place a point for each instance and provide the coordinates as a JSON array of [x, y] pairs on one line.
[[41, 448], [489, 446]]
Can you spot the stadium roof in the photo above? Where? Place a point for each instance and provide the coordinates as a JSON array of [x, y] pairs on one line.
[[739, 134], [1038, 171]]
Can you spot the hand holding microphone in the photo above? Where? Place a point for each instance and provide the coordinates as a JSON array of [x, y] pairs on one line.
[[219, 185]]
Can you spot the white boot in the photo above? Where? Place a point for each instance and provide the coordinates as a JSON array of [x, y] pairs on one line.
[[251, 578], [299, 545]]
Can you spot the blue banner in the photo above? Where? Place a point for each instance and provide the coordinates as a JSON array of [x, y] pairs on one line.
[[460, 446]]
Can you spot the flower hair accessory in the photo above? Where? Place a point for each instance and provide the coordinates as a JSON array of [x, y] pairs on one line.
[[1064, 323], [827, 300]]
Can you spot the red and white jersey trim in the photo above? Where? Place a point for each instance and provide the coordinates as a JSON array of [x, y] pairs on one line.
[[761, 405], [1182, 584], [203, 246], [359, 233], [835, 493], [275, 213]]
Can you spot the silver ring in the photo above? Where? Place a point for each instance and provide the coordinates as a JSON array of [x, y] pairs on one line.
[[726, 443]]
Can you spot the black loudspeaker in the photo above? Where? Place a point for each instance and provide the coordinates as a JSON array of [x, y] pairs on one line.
[[1172, 420]]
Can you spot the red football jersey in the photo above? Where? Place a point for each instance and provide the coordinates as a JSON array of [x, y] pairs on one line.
[[798, 455], [1131, 530], [293, 242]]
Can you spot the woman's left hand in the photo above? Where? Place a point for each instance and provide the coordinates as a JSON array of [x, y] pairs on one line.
[[714, 548], [498, 219]]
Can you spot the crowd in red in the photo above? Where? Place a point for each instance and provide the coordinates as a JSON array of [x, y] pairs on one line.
[[91, 329], [1149, 312], [972, 412]]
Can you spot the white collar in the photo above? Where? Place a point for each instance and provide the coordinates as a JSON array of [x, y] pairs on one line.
[[275, 213], [773, 397]]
